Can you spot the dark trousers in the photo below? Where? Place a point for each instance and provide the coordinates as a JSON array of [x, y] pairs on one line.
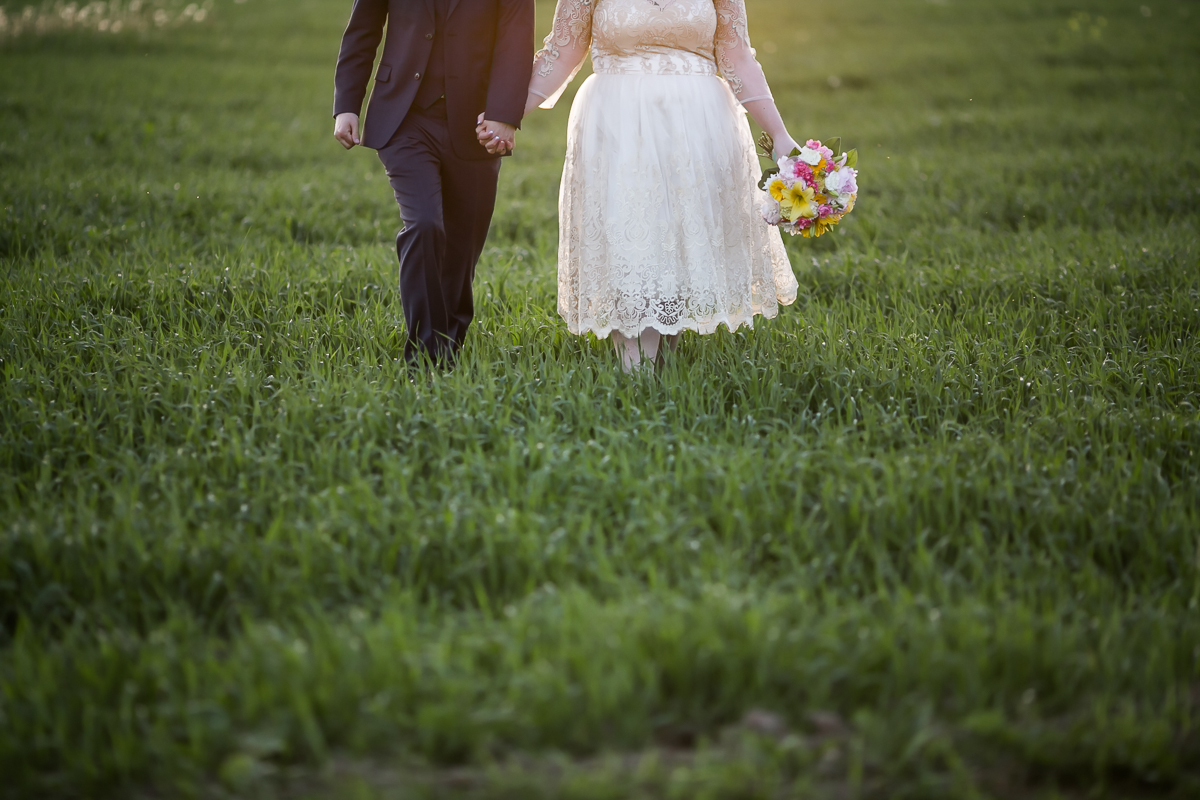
[[446, 203]]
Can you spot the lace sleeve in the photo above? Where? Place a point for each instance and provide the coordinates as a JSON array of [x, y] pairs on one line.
[[735, 56], [564, 50]]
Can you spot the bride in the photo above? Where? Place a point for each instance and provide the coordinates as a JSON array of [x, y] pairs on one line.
[[659, 223]]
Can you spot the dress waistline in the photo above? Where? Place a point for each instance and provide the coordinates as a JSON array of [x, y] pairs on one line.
[[675, 62]]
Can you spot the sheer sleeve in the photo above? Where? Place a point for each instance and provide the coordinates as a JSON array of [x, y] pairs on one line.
[[735, 56], [563, 51]]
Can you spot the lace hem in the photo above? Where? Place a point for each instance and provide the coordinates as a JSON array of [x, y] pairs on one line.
[[732, 323]]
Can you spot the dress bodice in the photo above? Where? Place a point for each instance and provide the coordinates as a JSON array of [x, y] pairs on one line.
[[638, 27], [704, 37]]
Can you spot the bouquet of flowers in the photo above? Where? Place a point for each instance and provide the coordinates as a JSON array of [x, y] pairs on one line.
[[811, 189]]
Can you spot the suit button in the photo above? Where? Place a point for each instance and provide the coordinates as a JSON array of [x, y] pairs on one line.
[[429, 36], [417, 77]]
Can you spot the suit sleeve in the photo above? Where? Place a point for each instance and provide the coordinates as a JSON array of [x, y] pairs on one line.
[[511, 63], [357, 56]]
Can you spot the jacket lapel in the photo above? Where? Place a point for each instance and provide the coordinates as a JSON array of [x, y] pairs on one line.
[[429, 8], [450, 10]]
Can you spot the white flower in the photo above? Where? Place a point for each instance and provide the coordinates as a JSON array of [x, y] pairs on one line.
[[770, 212], [842, 182], [809, 156]]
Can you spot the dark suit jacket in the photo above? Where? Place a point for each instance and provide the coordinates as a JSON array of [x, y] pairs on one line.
[[489, 59]]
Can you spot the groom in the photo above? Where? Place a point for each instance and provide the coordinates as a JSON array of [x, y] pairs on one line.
[[451, 70]]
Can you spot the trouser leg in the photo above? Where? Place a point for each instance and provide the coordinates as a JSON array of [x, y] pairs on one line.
[[413, 167], [469, 197]]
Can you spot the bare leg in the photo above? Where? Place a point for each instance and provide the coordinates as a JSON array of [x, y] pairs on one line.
[[650, 339], [627, 351], [633, 351], [670, 341]]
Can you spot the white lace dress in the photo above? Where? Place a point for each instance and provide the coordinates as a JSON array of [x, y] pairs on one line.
[[659, 223]]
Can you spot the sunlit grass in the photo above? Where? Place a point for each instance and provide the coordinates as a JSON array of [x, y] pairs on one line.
[[100, 16]]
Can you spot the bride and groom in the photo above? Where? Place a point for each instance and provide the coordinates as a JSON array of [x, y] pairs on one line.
[[659, 223]]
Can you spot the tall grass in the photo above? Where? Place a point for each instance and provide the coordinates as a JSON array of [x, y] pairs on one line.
[[941, 517]]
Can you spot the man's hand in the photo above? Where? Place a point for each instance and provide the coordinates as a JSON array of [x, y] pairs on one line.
[[345, 129], [498, 138]]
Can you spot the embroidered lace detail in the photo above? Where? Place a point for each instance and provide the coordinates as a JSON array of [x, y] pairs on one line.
[[568, 41], [673, 63], [736, 58]]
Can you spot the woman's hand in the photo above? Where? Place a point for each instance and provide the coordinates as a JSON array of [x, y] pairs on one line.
[[784, 146], [764, 112]]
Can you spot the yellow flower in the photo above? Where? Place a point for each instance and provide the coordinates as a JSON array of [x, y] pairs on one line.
[[821, 226], [797, 202], [777, 188]]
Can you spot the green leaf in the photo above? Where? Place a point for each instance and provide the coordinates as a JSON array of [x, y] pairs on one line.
[[766, 177], [852, 158], [834, 144]]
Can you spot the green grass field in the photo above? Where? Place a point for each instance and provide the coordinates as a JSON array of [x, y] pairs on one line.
[[934, 532]]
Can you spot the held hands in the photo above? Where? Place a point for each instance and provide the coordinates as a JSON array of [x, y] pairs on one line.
[[498, 138], [345, 129]]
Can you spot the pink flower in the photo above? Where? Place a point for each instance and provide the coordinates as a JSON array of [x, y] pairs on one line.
[[825, 152], [824, 211], [803, 222], [805, 171]]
